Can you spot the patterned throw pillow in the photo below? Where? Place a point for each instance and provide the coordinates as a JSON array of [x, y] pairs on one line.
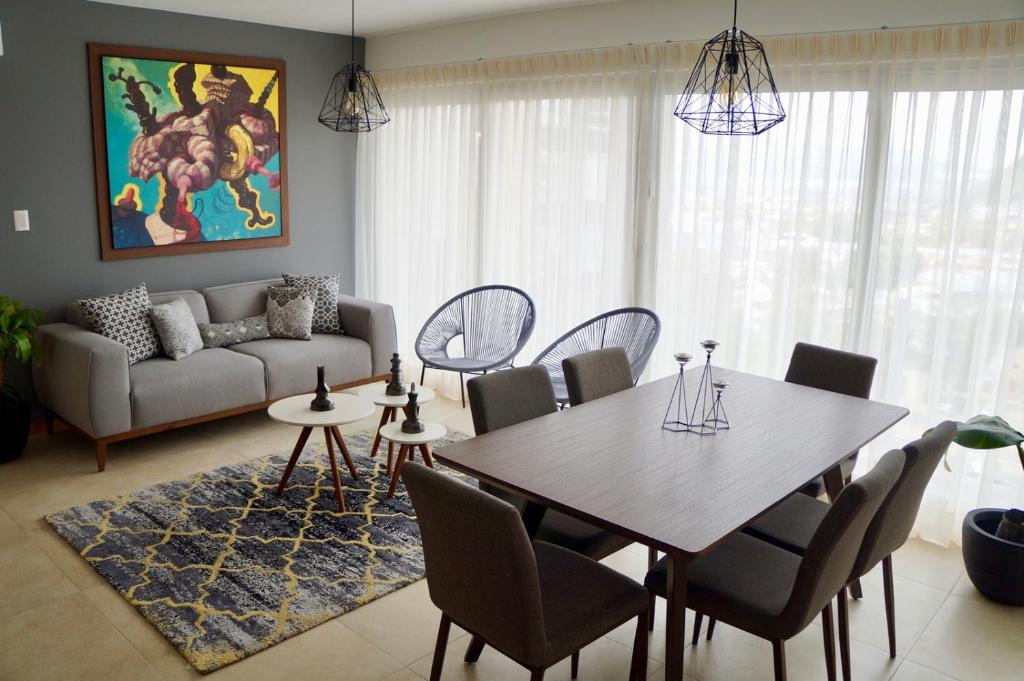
[[290, 313], [177, 328], [324, 288], [124, 317], [228, 333]]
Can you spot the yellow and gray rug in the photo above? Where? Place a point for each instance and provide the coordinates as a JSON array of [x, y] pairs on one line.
[[224, 568]]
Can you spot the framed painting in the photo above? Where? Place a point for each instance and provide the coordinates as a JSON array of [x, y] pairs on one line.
[[190, 151]]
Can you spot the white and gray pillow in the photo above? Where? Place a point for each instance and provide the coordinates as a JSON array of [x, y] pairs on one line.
[[228, 333], [290, 312], [124, 317], [177, 328], [324, 289]]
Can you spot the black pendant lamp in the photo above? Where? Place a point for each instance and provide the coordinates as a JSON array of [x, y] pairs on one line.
[[353, 103], [731, 90]]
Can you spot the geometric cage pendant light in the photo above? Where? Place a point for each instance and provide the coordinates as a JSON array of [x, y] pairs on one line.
[[731, 90], [353, 103]]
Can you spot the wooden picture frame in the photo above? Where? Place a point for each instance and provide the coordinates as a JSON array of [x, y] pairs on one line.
[[190, 156]]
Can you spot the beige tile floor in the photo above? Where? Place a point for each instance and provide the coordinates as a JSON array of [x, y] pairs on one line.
[[59, 620]]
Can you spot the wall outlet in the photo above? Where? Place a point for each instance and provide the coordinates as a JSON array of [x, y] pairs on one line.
[[21, 221]]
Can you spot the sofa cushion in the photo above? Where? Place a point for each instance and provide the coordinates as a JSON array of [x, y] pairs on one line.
[[238, 301], [208, 381], [124, 317], [228, 333], [291, 364], [177, 328], [324, 288], [290, 312]]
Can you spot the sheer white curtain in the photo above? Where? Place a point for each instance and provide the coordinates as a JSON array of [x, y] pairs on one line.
[[885, 216]]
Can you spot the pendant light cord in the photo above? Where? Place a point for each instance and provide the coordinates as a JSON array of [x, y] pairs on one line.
[[735, 7], [352, 38]]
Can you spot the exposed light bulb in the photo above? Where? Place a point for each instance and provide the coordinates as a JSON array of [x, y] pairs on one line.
[[731, 90], [351, 105]]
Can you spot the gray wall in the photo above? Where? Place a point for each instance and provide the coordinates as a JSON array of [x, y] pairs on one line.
[[46, 155]]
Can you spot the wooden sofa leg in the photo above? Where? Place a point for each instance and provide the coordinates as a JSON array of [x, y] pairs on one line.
[[101, 456]]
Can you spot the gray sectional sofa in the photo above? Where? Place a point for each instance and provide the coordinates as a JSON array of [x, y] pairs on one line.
[[86, 381]]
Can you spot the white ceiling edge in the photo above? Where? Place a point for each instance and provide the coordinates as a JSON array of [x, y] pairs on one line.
[[373, 18]]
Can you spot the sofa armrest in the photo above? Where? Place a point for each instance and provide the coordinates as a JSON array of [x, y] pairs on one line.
[[83, 378], [374, 323]]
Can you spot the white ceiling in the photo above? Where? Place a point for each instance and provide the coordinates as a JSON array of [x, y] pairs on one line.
[[334, 16]]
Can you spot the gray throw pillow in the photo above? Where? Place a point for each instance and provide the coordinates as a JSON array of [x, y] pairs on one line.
[[177, 328], [290, 313], [124, 317], [324, 288], [228, 333]]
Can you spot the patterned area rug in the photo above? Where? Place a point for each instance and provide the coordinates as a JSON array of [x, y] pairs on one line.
[[225, 568]]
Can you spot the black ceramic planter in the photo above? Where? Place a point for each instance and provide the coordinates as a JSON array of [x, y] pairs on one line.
[[15, 419], [996, 566]]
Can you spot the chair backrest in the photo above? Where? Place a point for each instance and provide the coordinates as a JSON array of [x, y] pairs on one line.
[[891, 526], [481, 569], [596, 374], [826, 565], [508, 397], [834, 370], [495, 322], [634, 329]]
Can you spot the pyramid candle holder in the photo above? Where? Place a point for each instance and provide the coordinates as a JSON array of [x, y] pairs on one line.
[[676, 418]]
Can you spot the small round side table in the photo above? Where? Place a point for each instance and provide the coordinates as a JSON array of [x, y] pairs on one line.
[[408, 443], [295, 411], [392, 405]]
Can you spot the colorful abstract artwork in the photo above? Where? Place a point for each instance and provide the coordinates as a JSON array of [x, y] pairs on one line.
[[190, 151]]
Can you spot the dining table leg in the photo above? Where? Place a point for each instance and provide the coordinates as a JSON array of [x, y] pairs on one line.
[[675, 632]]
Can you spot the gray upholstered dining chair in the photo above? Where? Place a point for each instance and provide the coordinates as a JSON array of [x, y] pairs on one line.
[[494, 322], [635, 329], [596, 374], [837, 371], [536, 603], [775, 594], [791, 525], [509, 397]]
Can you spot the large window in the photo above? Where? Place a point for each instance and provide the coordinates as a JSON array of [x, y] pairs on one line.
[[884, 216]]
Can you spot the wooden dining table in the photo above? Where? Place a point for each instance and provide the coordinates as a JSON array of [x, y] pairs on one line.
[[610, 463]]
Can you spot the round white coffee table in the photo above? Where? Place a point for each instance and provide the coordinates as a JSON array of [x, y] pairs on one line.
[[408, 443], [392, 404], [295, 411]]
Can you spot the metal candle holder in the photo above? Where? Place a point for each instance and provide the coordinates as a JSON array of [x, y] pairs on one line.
[[680, 423], [704, 401], [718, 419]]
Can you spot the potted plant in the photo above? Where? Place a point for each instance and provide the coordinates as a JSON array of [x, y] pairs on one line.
[[17, 341], [993, 538]]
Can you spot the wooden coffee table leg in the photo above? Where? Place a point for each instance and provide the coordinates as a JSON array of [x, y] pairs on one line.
[[344, 452], [427, 458], [402, 451], [303, 436], [391, 445], [383, 420], [334, 470]]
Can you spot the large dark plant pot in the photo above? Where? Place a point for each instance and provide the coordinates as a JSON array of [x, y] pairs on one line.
[[15, 419], [996, 566]]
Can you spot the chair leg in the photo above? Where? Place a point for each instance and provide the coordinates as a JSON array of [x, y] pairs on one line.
[[423, 374], [476, 646], [651, 603], [574, 665], [537, 675], [890, 603], [638, 667], [779, 655], [855, 591], [440, 647], [844, 635], [652, 557], [698, 619], [462, 390], [711, 627], [829, 637]]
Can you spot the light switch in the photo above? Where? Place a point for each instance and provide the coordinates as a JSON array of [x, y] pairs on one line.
[[21, 221]]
